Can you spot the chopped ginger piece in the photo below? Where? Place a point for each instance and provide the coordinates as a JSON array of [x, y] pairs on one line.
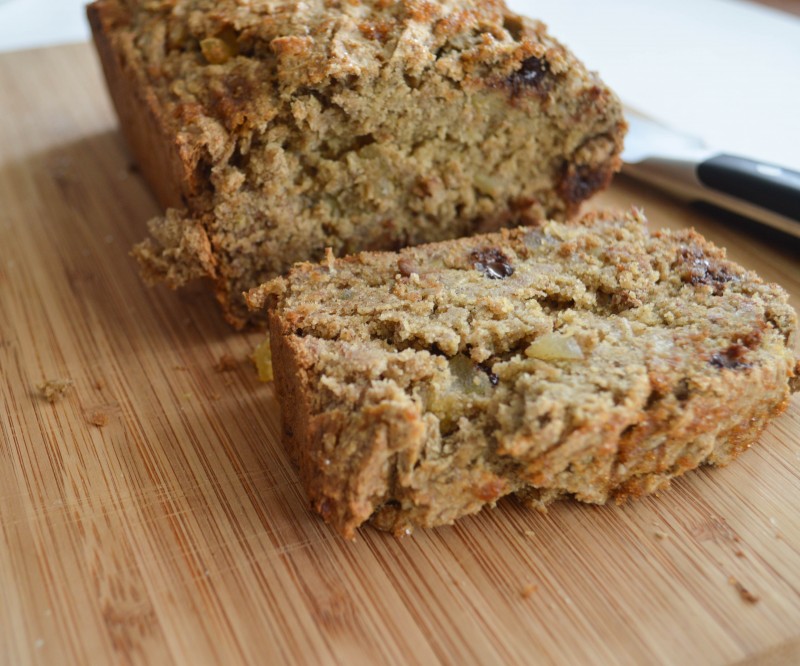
[[262, 357]]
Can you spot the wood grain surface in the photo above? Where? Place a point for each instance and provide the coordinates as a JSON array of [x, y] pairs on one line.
[[152, 517]]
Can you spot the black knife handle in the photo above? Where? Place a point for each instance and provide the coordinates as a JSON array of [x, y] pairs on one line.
[[772, 187]]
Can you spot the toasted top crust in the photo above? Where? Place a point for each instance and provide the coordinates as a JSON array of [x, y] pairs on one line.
[[310, 42], [230, 66]]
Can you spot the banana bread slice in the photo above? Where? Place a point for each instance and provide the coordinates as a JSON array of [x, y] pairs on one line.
[[273, 130], [593, 360]]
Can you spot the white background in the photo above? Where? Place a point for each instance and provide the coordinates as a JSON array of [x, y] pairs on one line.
[[725, 70]]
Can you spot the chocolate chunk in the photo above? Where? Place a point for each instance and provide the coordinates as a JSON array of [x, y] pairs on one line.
[[580, 182], [531, 73], [492, 263], [533, 76], [494, 380], [697, 269], [731, 358], [681, 390]]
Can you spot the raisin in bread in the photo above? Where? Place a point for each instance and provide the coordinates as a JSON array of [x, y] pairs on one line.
[[594, 360], [273, 130]]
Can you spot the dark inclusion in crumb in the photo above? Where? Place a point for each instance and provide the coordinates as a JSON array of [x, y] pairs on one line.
[[698, 270], [580, 182], [493, 378], [681, 390], [731, 358], [492, 263], [532, 74]]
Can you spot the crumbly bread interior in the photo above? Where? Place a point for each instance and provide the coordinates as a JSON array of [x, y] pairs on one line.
[[593, 359], [356, 126]]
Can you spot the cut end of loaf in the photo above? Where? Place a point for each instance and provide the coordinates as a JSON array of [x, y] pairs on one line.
[[595, 360]]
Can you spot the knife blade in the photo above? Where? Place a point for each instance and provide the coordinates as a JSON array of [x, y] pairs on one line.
[[686, 167]]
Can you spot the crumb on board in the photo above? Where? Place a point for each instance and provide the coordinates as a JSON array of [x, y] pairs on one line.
[[744, 593], [100, 384], [529, 590], [97, 418], [658, 534], [54, 389], [226, 363], [739, 553], [774, 522], [262, 357]]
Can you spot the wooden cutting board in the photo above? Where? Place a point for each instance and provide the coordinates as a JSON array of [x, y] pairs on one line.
[[151, 515]]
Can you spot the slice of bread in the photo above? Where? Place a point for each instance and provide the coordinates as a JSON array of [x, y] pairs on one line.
[[594, 360], [275, 129]]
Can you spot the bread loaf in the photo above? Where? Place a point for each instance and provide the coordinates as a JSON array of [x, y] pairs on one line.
[[594, 360], [273, 130]]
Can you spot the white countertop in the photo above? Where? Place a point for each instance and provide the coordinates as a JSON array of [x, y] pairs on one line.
[[725, 70]]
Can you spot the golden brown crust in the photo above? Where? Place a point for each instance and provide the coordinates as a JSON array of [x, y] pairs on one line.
[[151, 137], [594, 360], [292, 386], [283, 128]]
